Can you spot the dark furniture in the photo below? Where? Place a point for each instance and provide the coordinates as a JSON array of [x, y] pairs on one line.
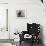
[[33, 30]]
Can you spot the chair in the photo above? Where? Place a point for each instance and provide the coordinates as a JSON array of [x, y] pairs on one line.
[[33, 30]]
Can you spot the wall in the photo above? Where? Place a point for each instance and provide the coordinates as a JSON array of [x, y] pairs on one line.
[[3, 1], [30, 9]]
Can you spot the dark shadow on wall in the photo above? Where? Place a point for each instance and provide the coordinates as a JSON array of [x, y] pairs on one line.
[[41, 35]]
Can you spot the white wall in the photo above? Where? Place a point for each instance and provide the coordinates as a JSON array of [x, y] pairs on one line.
[[3, 1]]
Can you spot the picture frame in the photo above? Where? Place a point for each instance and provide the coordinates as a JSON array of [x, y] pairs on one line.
[[21, 13]]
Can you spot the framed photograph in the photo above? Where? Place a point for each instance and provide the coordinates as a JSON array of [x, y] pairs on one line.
[[20, 13]]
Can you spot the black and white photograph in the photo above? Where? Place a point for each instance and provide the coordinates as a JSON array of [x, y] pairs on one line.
[[22, 22], [20, 13]]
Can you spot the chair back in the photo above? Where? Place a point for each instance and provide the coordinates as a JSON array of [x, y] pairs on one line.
[[33, 29]]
